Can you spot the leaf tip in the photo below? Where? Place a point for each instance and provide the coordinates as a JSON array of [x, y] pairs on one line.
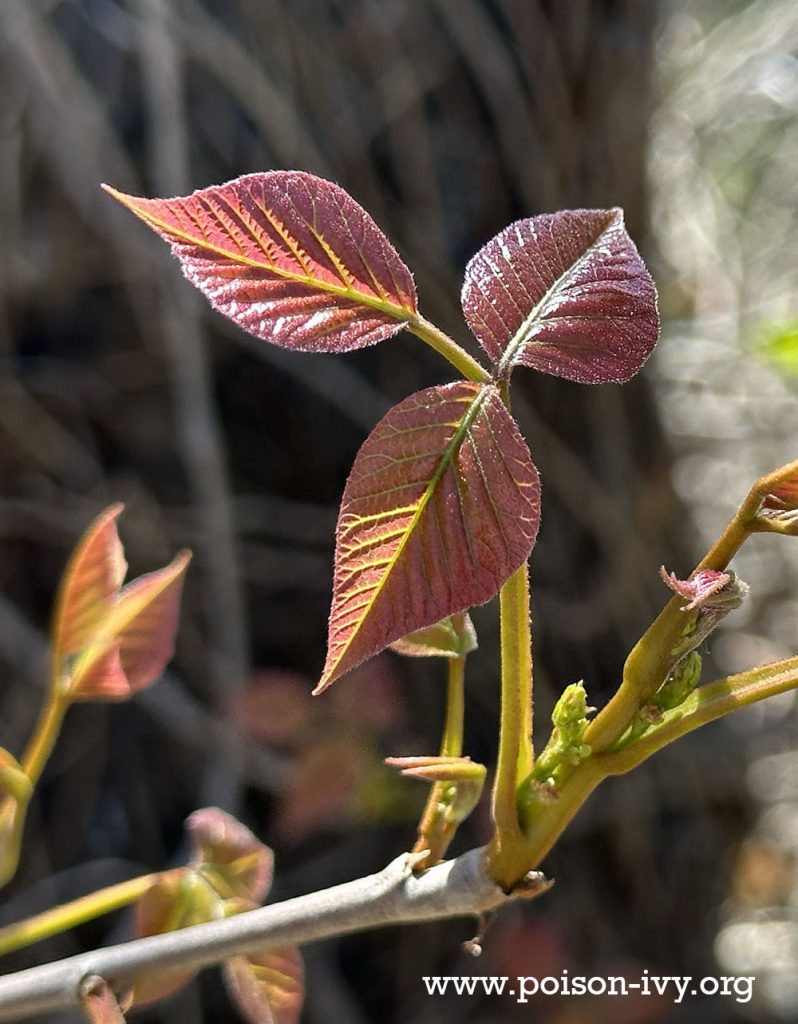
[[325, 681]]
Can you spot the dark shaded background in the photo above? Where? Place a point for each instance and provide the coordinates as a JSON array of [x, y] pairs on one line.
[[446, 119]]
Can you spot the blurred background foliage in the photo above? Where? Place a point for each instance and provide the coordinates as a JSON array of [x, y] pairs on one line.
[[446, 119]]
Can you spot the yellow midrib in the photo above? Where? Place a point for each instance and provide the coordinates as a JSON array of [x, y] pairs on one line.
[[398, 312], [446, 460]]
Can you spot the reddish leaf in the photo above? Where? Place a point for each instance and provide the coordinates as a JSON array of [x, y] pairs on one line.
[[289, 257], [372, 702], [326, 787], [565, 293], [779, 509], [441, 507], [267, 988], [132, 643], [90, 582], [275, 707], [701, 588], [233, 859], [783, 497], [439, 768], [452, 637]]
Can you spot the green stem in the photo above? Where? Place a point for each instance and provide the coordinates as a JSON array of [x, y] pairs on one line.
[[648, 661], [705, 705], [516, 755], [510, 856], [69, 915], [551, 820], [434, 831], [448, 348], [452, 741], [44, 735]]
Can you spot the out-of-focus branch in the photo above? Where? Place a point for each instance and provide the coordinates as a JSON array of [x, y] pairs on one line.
[[457, 888]]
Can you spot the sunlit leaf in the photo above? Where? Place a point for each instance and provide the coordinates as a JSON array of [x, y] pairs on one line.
[[441, 506], [267, 988], [90, 582], [702, 587], [232, 858], [565, 293], [289, 257], [132, 643], [452, 637]]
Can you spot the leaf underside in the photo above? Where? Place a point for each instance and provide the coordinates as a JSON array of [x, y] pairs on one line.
[[564, 293], [290, 257], [442, 505], [452, 637]]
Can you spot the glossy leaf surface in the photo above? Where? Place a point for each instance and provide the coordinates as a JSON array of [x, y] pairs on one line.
[[441, 506], [268, 987], [565, 293], [289, 257]]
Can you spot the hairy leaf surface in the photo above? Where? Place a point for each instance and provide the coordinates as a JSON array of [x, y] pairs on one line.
[[442, 505], [452, 637], [565, 293], [289, 257]]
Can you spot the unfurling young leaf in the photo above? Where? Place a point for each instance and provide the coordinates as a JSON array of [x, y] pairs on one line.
[[441, 507], [566, 293], [236, 862], [109, 643], [452, 637], [179, 899], [230, 872], [89, 585], [289, 257], [779, 509], [439, 768]]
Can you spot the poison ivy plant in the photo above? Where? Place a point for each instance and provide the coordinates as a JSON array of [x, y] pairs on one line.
[[440, 513], [108, 641]]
